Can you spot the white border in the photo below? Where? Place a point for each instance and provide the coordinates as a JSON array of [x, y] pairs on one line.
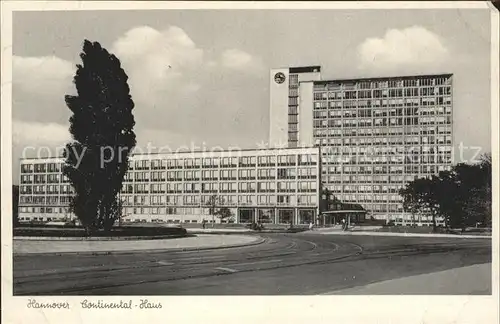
[[148, 5], [321, 309], [495, 144]]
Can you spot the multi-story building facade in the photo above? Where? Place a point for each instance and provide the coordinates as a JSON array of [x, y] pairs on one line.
[[271, 186], [376, 135]]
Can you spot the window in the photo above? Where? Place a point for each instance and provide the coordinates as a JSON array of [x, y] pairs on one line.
[[191, 200], [246, 200], [286, 173], [307, 173], [246, 187], [305, 159], [306, 216], [209, 187], [266, 200], [307, 186], [266, 186], [287, 186], [246, 174], [283, 200], [267, 173], [228, 174], [267, 160], [227, 187]]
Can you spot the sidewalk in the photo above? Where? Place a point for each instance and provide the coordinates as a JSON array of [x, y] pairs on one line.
[[360, 231], [218, 230], [199, 242], [471, 280], [337, 228]]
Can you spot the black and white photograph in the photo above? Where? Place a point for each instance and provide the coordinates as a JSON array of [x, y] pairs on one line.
[[248, 150]]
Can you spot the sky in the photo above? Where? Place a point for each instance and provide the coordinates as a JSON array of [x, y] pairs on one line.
[[216, 91]]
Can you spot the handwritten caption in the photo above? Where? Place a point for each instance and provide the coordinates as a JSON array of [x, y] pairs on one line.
[[97, 304]]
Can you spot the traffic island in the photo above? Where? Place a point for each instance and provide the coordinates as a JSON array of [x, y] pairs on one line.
[[190, 243], [116, 233]]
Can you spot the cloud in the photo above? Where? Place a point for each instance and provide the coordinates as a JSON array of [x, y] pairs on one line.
[[239, 60], [39, 87], [44, 133], [158, 62], [182, 94], [45, 75], [35, 139], [411, 47]]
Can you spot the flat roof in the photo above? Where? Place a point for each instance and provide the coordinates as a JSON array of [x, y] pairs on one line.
[[299, 69], [211, 153], [305, 69], [343, 211], [388, 78]]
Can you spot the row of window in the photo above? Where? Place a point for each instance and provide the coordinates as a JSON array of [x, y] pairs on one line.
[[396, 112], [41, 167], [220, 187], [224, 200], [41, 178], [41, 189], [384, 93], [369, 169], [359, 147], [365, 188], [42, 200], [190, 163], [280, 173], [384, 103], [428, 143], [359, 179], [407, 160], [385, 146], [382, 84], [57, 210], [386, 154], [371, 122], [394, 131]]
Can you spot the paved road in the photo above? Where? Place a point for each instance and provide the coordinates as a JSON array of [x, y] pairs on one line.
[[286, 264]]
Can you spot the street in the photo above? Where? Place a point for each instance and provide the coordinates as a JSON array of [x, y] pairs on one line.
[[285, 264]]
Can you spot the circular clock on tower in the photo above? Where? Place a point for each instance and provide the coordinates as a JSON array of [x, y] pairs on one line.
[[279, 77]]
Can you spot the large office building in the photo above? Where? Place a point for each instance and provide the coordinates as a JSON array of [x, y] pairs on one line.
[[362, 139], [375, 134], [270, 186]]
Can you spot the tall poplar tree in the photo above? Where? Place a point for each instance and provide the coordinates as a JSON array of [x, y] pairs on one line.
[[102, 130]]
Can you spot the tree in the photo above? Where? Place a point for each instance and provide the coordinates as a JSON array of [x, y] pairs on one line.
[[420, 197], [462, 196], [486, 194], [217, 209], [474, 182], [413, 197], [224, 213], [447, 195], [102, 130], [15, 205]]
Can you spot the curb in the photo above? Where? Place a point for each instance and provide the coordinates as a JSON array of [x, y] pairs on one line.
[[103, 238], [220, 232], [245, 233], [410, 235], [256, 242]]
